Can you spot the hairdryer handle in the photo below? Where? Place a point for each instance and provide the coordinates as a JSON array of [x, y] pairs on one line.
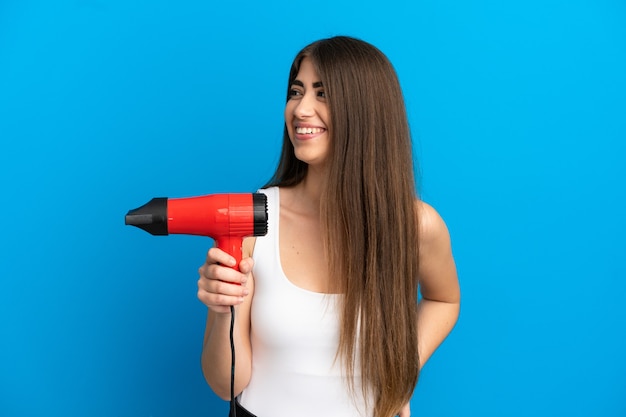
[[232, 246]]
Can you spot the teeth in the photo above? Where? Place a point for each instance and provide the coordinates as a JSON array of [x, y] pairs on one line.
[[308, 130]]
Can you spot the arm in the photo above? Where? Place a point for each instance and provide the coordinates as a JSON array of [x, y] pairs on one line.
[[438, 309], [218, 290]]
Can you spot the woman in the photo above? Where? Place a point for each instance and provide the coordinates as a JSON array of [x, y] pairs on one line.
[[327, 319]]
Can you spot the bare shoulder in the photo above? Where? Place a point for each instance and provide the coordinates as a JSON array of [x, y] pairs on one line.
[[437, 270], [432, 227], [247, 248]]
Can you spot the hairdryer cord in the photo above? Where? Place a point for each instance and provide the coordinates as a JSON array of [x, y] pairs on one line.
[[233, 410]]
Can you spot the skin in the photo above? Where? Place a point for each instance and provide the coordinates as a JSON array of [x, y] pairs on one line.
[[219, 286]]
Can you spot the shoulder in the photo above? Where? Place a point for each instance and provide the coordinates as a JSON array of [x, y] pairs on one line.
[[437, 270], [248, 246], [432, 227]]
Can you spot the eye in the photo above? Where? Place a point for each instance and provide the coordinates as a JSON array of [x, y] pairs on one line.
[[321, 94], [294, 93]]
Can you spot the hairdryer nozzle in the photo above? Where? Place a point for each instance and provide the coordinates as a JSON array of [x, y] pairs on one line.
[[151, 217], [259, 201]]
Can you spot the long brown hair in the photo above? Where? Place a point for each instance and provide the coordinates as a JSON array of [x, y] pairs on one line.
[[368, 216]]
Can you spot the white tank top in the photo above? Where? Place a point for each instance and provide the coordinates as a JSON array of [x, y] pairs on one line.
[[294, 335]]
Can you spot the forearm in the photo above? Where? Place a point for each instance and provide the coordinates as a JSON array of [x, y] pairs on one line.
[[436, 319], [216, 356]]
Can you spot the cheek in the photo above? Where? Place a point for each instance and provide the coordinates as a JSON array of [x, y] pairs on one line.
[[325, 115], [289, 119], [289, 107]]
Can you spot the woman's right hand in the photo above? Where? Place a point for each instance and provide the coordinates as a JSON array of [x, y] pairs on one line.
[[220, 286]]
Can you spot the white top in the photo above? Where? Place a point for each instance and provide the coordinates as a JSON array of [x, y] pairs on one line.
[[294, 335]]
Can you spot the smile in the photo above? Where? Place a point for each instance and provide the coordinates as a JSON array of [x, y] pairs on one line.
[[309, 130]]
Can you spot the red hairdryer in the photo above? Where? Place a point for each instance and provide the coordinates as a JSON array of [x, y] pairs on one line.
[[227, 218]]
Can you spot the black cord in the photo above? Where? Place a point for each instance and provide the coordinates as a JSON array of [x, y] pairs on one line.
[[233, 410]]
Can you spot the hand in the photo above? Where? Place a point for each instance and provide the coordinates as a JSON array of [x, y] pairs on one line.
[[406, 410], [219, 285]]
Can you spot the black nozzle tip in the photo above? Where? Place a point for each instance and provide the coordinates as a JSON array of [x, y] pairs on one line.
[[259, 201], [151, 217]]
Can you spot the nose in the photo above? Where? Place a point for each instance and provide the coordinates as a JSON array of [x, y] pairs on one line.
[[305, 107]]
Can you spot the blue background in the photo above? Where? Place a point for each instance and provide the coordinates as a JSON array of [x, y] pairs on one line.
[[518, 114]]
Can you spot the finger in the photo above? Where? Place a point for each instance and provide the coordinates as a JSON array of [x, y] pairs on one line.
[[222, 288], [223, 273], [216, 255], [210, 273], [219, 294], [219, 305], [245, 266]]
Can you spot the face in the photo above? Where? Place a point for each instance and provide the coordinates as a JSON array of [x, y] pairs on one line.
[[306, 116]]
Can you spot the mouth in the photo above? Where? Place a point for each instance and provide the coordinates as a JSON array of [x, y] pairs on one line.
[[309, 130]]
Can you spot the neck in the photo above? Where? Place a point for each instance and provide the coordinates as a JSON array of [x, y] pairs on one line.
[[308, 193]]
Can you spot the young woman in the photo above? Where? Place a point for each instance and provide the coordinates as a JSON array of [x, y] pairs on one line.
[[327, 315]]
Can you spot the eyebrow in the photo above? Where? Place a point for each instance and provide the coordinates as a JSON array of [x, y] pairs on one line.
[[299, 83]]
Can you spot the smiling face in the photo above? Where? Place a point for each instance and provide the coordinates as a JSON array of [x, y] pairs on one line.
[[307, 116]]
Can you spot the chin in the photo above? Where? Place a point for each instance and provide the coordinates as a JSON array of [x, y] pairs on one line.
[[310, 159]]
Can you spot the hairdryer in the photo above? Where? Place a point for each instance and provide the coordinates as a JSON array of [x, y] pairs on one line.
[[227, 218]]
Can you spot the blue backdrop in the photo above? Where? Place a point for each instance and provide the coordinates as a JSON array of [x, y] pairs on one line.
[[518, 114]]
